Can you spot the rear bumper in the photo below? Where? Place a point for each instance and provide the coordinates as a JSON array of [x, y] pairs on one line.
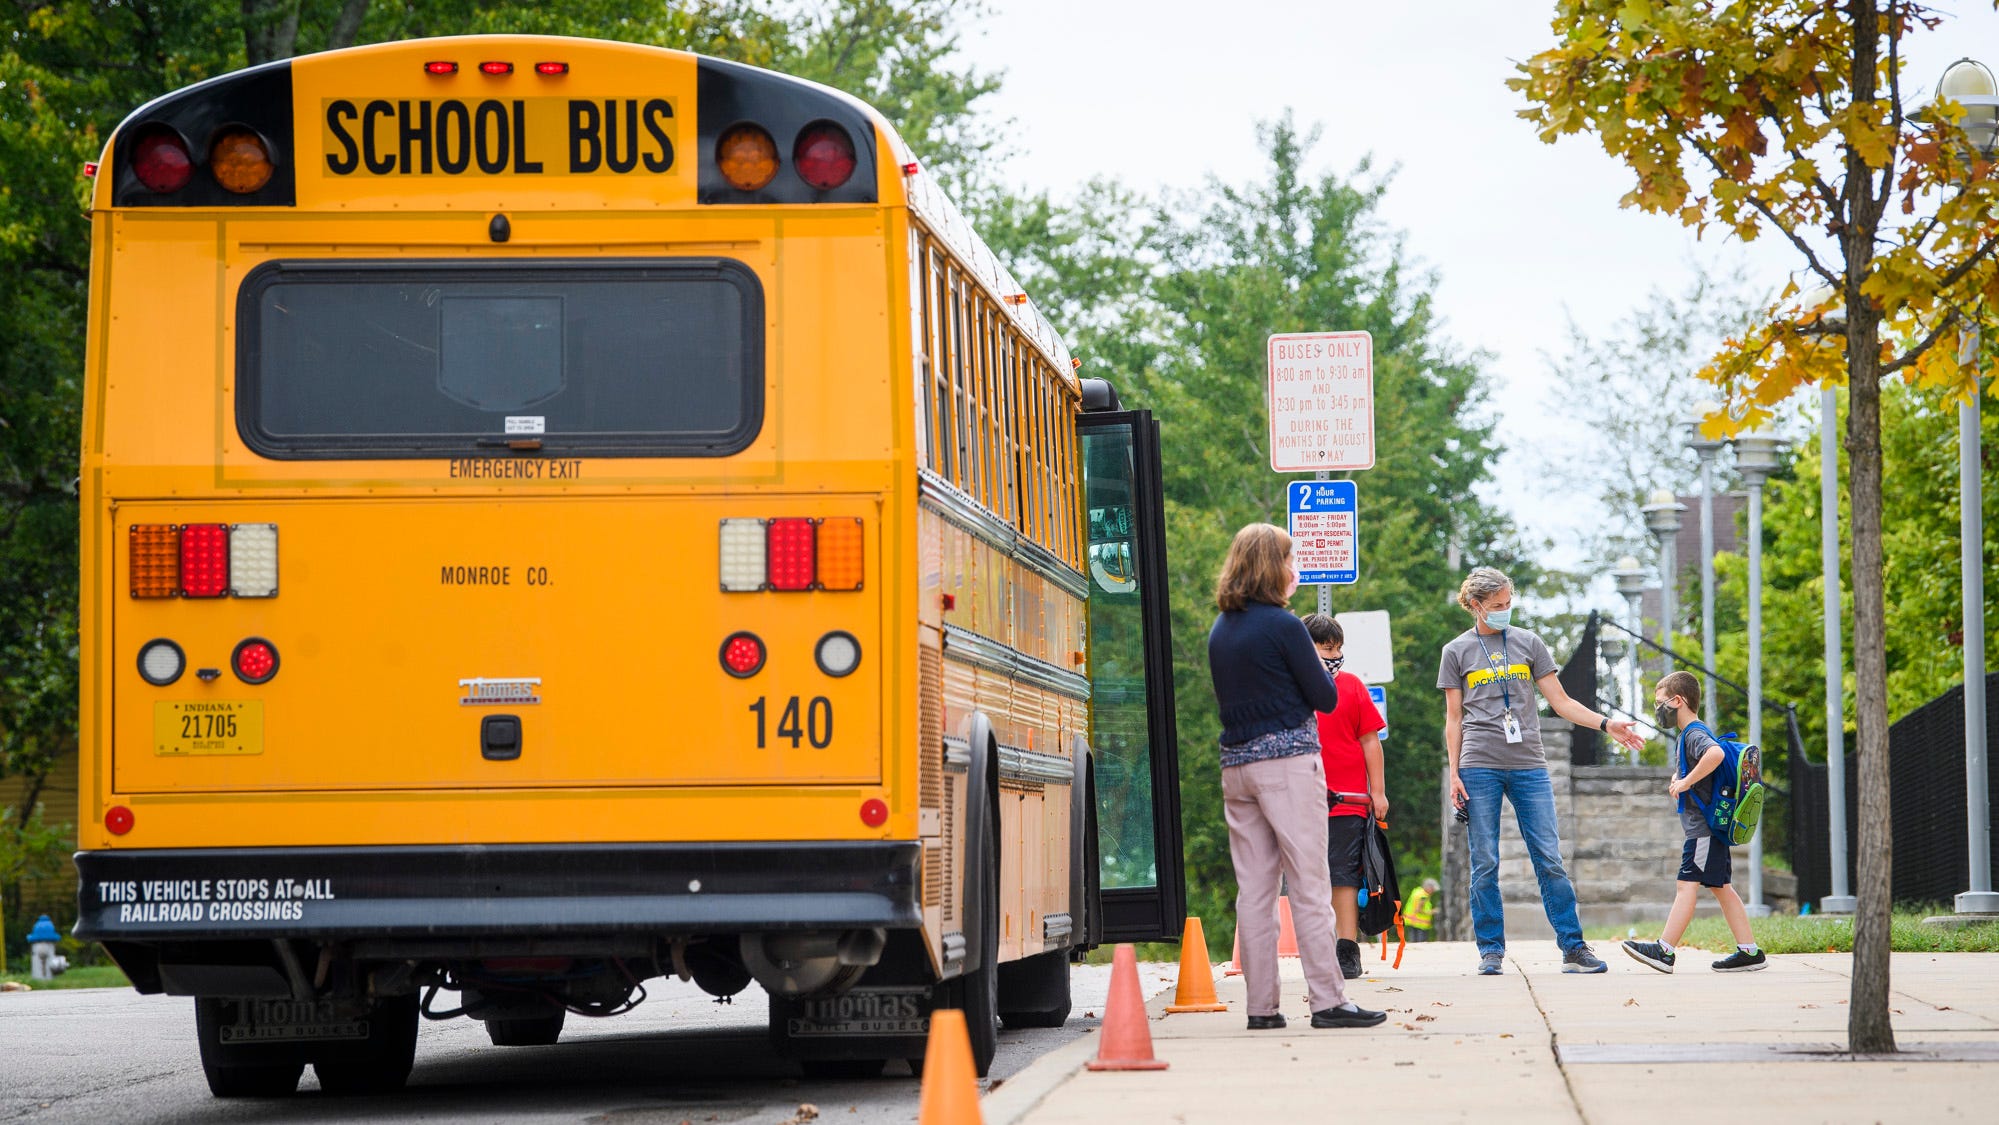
[[493, 891]]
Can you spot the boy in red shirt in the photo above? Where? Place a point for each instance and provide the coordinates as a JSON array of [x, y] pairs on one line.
[[1350, 744]]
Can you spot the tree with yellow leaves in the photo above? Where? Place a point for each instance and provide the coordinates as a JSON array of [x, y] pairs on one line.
[[1792, 116]]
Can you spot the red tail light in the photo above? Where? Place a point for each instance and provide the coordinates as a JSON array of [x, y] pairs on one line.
[[496, 69], [118, 820], [793, 562], [824, 156], [742, 655], [255, 661], [874, 812], [161, 161], [204, 560]]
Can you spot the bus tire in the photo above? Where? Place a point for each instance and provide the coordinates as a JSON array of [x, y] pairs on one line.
[[1034, 991], [976, 993], [234, 1070], [379, 1064], [527, 1031]]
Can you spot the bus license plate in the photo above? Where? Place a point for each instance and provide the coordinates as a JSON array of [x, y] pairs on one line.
[[209, 727], [288, 1021]]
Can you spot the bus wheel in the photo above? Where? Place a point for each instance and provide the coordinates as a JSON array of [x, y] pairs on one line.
[[379, 1064], [1034, 991], [842, 1069], [235, 1070], [977, 993], [527, 1031]]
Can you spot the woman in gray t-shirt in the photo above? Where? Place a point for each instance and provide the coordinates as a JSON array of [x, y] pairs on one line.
[[1492, 739]]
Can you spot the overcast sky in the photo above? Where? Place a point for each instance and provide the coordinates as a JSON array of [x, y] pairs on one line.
[[1522, 235]]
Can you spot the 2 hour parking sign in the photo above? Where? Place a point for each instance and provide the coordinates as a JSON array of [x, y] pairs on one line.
[[1325, 531]]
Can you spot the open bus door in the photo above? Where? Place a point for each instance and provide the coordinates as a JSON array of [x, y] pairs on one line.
[[1132, 734]]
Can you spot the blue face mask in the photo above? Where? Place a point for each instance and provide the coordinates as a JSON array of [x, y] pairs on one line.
[[1499, 618]]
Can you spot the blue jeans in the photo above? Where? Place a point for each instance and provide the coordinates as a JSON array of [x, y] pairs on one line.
[[1533, 800]]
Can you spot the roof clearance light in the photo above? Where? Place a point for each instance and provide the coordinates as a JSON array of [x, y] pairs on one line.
[[791, 554], [161, 662], [239, 161], [551, 69], [496, 69], [747, 157], [441, 69], [255, 661], [840, 554], [161, 161], [838, 653], [742, 655], [742, 555], [253, 560], [824, 156], [204, 560], [155, 560]]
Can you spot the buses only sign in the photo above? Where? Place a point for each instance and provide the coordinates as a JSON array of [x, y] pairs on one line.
[[1321, 398]]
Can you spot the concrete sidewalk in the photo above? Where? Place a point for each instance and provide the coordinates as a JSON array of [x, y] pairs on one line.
[[1536, 1045]]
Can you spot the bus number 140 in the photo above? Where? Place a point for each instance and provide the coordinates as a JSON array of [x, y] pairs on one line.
[[818, 722]]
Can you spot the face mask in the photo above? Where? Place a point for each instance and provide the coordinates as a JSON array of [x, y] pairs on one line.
[[1333, 663], [1668, 716], [1499, 618]]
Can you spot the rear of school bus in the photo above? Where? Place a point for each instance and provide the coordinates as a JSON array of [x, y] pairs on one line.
[[491, 513]]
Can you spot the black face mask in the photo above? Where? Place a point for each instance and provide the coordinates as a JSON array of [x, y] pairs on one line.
[[1668, 716], [1333, 664]]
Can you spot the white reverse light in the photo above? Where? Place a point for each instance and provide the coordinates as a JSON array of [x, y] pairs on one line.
[[838, 653], [743, 556], [253, 560], [161, 662]]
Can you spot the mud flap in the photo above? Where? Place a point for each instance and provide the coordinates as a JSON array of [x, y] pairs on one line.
[[885, 1015]]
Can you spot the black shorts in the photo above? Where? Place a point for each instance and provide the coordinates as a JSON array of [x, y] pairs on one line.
[[1704, 860], [1345, 836]]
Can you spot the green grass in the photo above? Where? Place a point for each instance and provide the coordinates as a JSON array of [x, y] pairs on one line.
[[89, 976], [1791, 933]]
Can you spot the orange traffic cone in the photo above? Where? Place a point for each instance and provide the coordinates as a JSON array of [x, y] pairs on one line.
[[1127, 1041], [1196, 990], [1235, 959], [950, 1081], [1287, 934]]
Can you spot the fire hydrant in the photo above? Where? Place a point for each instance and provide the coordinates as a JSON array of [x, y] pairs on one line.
[[43, 960]]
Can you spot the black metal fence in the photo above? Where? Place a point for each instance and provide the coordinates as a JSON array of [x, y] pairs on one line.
[[1926, 799]]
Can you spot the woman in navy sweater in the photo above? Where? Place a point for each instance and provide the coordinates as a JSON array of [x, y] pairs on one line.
[[1270, 684]]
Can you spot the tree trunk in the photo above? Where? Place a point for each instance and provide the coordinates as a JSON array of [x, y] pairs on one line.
[[347, 25], [270, 30], [1868, 1029]]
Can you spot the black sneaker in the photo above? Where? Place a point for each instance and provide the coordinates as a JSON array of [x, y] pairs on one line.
[[1583, 959], [1740, 962], [1273, 1022], [1650, 953], [1349, 959], [1353, 1015]]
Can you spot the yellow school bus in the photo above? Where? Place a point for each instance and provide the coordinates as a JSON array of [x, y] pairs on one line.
[[559, 514]]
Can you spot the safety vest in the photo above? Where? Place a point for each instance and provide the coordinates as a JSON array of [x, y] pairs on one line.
[[1416, 912]]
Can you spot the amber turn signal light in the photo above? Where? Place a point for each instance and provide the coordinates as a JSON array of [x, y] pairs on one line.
[[747, 157], [239, 161]]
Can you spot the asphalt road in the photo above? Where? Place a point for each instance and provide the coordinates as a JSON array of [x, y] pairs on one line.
[[109, 1056]]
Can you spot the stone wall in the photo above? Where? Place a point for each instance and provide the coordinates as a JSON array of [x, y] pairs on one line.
[[1620, 844]]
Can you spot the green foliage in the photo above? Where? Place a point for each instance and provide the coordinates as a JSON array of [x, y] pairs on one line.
[[1819, 933], [1174, 303], [87, 976]]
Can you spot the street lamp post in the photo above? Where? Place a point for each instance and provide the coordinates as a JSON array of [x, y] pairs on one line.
[[1755, 459], [1706, 449], [1970, 84], [1841, 900], [1631, 583], [1662, 518]]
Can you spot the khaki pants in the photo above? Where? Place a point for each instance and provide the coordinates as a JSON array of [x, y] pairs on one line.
[[1276, 811]]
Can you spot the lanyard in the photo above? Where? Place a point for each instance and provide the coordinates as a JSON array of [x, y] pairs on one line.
[[1505, 665]]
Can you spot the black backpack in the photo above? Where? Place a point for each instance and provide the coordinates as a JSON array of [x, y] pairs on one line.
[[1380, 894]]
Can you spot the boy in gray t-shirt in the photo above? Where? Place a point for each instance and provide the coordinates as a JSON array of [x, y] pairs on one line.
[[1704, 860]]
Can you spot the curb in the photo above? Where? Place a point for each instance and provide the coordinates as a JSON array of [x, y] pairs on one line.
[[1021, 1094]]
